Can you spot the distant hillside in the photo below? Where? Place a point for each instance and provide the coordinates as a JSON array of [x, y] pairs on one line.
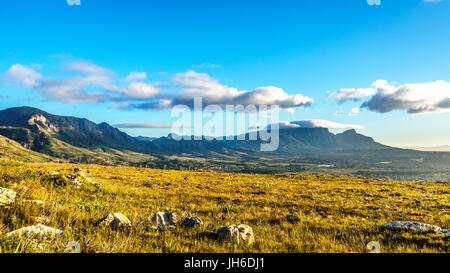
[[71, 138], [32, 127], [10, 149], [314, 140], [144, 138]]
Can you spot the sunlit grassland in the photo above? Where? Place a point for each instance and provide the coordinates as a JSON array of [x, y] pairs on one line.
[[288, 212]]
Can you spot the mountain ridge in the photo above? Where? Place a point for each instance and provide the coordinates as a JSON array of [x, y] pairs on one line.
[[56, 135]]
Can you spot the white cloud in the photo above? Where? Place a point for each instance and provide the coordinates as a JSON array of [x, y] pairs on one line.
[[162, 104], [69, 91], [90, 83], [21, 75], [432, 1], [317, 123], [346, 94], [73, 89], [140, 90], [92, 75], [87, 82], [145, 125], [354, 112], [428, 97], [356, 94], [287, 125], [133, 76], [195, 84], [87, 67]]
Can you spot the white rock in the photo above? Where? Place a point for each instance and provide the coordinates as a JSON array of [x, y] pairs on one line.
[[381, 206], [115, 220], [236, 233], [446, 232], [374, 247], [76, 179], [164, 219], [35, 230], [409, 225], [73, 247], [7, 196]]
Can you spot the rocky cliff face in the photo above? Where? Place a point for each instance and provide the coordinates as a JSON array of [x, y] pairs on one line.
[[33, 128]]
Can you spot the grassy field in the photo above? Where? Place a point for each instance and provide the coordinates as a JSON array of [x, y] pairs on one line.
[[288, 212]]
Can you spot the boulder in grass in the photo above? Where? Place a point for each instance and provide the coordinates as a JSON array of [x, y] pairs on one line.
[[409, 225], [236, 233], [79, 171], [7, 196], [73, 247], [192, 222], [39, 229], [446, 232], [163, 219], [75, 177], [114, 220]]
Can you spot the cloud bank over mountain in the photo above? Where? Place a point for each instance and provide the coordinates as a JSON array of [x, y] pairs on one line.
[[414, 98], [316, 123], [193, 84], [90, 83]]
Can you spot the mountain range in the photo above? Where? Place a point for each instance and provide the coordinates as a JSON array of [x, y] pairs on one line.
[[51, 134], [44, 136]]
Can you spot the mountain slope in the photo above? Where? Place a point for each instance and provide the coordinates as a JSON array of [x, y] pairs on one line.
[[41, 131], [351, 140], [10, 149], [314, 140], [81, 140]]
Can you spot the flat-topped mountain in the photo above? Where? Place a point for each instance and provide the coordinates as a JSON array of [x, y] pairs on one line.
[[298, 141]]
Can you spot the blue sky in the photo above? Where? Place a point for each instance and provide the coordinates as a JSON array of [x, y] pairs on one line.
[[328, 51]]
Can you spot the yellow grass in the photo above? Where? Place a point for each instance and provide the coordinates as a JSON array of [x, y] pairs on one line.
[[288, 212]]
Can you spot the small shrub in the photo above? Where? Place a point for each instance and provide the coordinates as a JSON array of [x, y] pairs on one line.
[[228, 208], [293, 218]]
